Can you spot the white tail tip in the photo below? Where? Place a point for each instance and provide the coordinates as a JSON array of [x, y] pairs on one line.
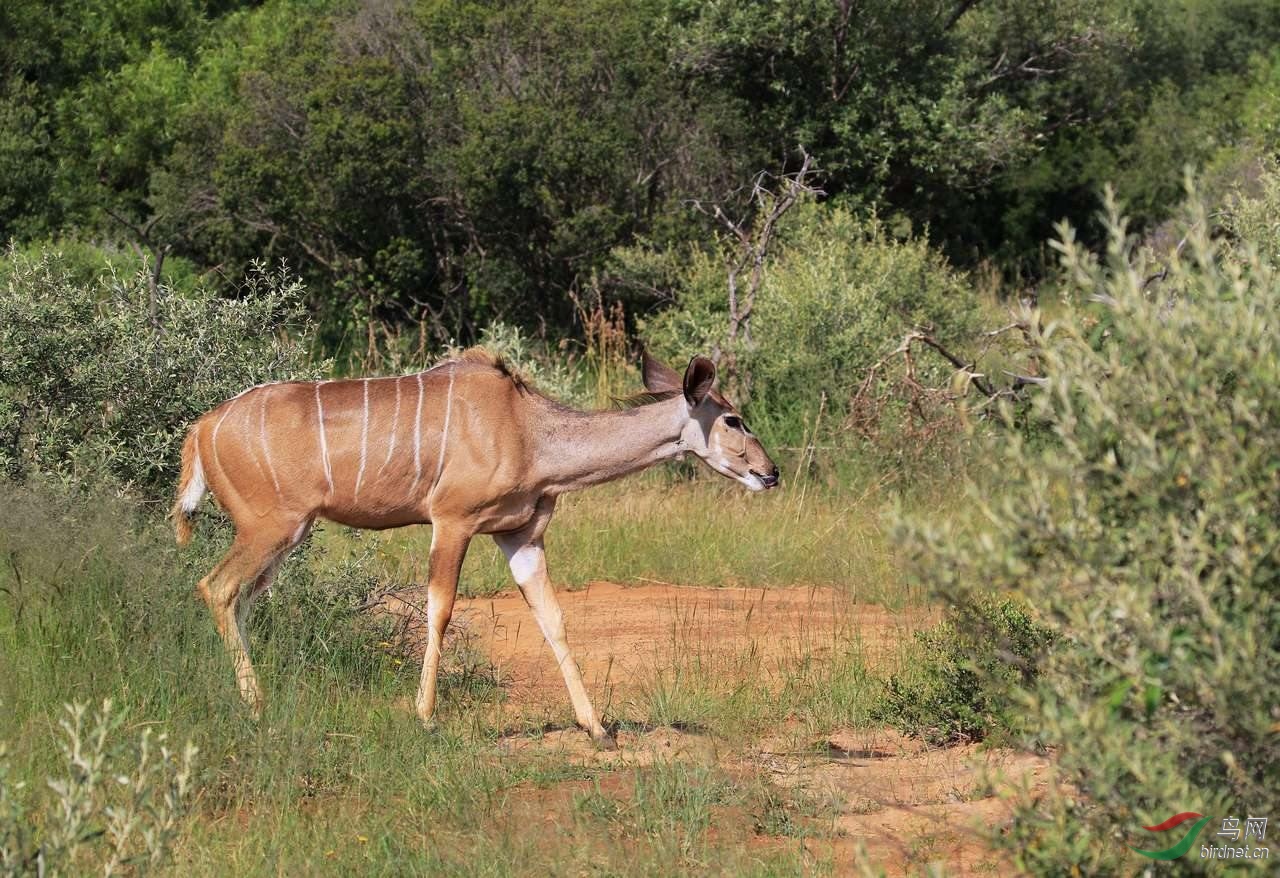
[[195, 489]]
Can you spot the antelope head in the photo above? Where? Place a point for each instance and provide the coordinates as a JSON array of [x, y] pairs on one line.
[[714, 430]]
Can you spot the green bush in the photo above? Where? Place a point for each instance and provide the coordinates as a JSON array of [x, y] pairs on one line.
[[1146, 532], [967, 669], [116, 616], [83, 263], [99, 380], [120, 612], [838, 294], [1254, 222]]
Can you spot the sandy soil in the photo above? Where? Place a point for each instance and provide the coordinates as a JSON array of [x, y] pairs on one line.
[[621, 636], [900, 804]]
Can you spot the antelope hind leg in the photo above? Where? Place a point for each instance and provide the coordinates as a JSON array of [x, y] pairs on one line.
[[246, 562], [448, 548]]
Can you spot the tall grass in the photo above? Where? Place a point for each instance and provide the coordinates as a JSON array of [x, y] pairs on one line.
[[338, 776]]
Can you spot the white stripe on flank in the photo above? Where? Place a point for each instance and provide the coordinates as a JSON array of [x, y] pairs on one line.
[[444, 432], [395, 422], [262, 437], [262, 473], [230, 404], [324, 444], [213, 440], [417, 440], [364, 439]]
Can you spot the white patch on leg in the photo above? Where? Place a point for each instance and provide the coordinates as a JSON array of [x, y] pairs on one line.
[[523, 562]]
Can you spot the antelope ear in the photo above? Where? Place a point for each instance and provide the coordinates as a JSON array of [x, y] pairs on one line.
[[698, 379], [658, 376]]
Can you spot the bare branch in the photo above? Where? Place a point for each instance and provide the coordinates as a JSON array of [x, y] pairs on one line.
[[975, 377], [1020, 381], [142, 236], [745, 263], [1164, 271]]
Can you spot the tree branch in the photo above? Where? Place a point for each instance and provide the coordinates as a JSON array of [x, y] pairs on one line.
[[753, 240]]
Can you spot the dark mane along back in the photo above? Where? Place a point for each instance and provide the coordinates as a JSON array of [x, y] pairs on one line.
[[480, 357]]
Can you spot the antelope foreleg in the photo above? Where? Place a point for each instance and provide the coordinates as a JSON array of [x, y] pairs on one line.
[[528, 564]]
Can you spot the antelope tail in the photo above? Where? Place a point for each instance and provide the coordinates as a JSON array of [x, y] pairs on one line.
[[191, 488]]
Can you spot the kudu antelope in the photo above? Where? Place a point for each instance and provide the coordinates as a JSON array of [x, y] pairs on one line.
[[466, 446]]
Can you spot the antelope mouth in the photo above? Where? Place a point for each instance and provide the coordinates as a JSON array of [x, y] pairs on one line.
[[769, 480]]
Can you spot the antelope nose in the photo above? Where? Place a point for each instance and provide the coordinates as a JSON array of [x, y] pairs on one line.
[[770, 480]]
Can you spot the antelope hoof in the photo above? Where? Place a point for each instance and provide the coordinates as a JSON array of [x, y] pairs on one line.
[[251, 695], [604, 741]]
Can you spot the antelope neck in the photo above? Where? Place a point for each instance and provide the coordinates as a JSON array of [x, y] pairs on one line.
[[580, 449]]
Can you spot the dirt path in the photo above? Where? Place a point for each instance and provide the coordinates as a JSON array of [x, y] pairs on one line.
[[904, 804], [621, 636]]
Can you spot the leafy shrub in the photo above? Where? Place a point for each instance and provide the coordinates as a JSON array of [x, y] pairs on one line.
[[1145, 531], [99, 380], [82, 263], [116, 810], [115, 615], [839, 293], [1255, 222], [315, 619], [967, 669]]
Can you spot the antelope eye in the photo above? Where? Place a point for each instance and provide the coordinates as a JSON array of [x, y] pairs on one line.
[[733, 422]]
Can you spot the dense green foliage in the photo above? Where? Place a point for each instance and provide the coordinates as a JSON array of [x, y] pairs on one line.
[[1144, 531], [99, 379], [838, 293], [448, 165]]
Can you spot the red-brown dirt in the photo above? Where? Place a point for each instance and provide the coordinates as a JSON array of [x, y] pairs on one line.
[[899, 804], [621, 636]]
